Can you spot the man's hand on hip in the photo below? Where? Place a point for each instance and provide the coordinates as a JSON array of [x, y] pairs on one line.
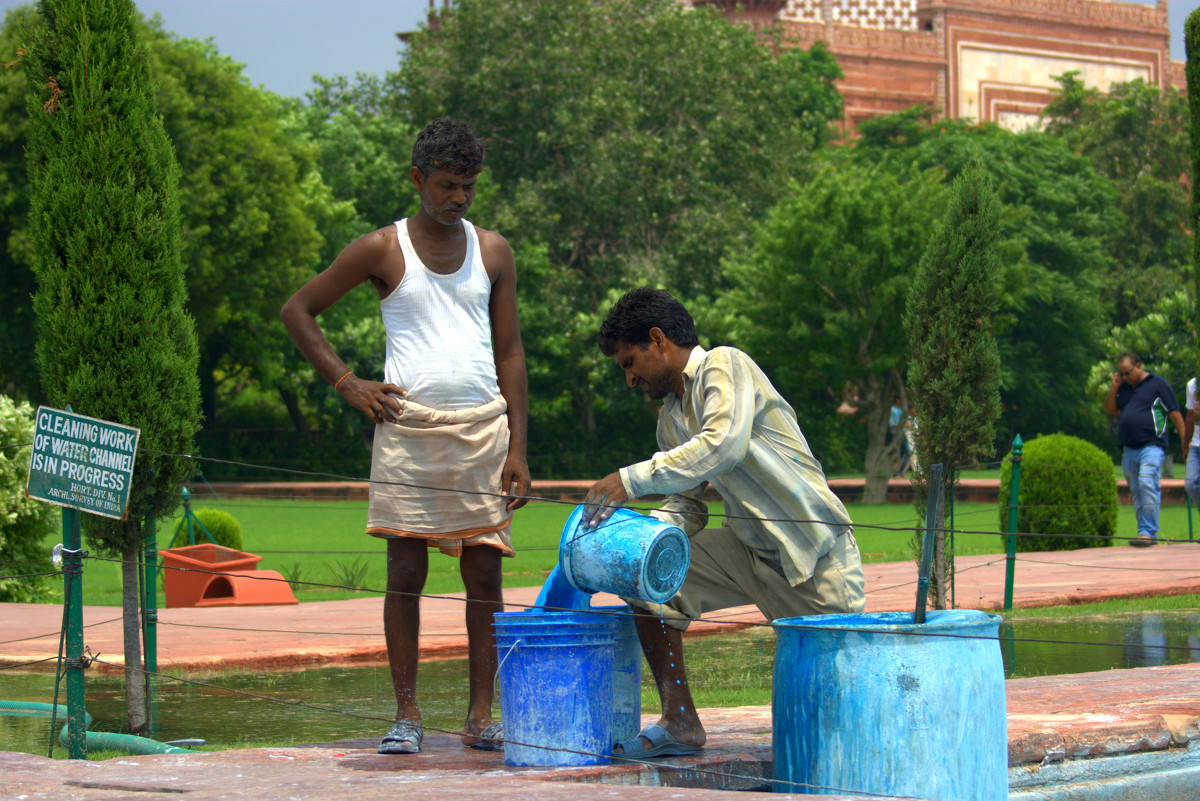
[[378, 401]]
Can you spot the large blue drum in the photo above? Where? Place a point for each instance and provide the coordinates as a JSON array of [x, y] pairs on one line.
[[876, 704]]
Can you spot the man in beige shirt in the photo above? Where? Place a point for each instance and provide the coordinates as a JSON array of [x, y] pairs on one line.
[[785, 544]]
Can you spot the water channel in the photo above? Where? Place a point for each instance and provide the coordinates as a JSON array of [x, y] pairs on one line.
[[731, 669]]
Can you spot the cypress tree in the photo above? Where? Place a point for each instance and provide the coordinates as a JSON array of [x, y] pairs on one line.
[[954, 367], [1191, 46], [114, 340]]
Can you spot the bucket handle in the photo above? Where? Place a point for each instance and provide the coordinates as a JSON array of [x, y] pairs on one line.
[[496, 681]]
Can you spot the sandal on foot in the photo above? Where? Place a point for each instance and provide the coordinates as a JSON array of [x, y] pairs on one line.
[[490, 739], [402, 738], [662, 744]]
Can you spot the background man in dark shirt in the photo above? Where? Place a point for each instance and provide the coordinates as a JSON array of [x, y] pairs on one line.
[[1146, 402]]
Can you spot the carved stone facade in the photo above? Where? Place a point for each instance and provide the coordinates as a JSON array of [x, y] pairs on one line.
[[990, 60]]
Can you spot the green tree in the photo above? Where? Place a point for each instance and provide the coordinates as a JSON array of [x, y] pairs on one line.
[[1136, 136], [1192, 47], [249, 231], [25, 523], [954, 364], [629, 142], [1056, 212], [251, 202], [820, 295], [18, 378], [114, 339]]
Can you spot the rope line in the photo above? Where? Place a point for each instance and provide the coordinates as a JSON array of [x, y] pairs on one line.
[[29, 664], [56, 633]]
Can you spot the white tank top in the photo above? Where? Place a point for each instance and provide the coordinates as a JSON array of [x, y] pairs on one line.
[[439, 330]]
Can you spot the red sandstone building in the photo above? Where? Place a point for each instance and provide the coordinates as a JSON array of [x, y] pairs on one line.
[[989, 60]]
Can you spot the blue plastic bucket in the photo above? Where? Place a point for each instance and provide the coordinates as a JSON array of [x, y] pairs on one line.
[[627, 673], [555, 677], [872, 703], [630, 555]]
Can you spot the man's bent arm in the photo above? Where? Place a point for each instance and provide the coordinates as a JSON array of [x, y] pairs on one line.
[[1177, 420], [511, 377], [1189, 428], [1110, 401], [354, 265]]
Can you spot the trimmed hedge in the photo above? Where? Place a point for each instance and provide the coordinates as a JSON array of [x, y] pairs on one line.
[[1067, 488], [223, 527]]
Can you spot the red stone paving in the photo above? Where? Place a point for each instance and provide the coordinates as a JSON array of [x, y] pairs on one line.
[[351, 631]]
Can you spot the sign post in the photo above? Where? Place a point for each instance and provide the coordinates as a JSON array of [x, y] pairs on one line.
[[84, 465]]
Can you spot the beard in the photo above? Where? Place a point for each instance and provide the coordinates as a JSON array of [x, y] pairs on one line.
[[657, 386]]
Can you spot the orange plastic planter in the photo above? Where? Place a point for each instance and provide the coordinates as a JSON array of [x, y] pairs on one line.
[[213, 575]]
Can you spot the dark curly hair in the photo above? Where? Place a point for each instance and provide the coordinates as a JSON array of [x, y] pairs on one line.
[[631, 318], [448, 145]]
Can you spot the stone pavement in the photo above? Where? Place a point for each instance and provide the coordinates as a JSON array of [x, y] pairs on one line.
[[1139, 720]]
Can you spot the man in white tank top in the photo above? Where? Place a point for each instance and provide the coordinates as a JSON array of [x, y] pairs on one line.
[[450, 413]]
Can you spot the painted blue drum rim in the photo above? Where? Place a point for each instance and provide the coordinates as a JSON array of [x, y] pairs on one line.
[[900, 622]]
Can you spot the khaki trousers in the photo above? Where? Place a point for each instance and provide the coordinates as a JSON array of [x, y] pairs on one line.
[[724, 573]]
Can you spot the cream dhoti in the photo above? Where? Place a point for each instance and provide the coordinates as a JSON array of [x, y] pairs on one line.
[[435, 475]]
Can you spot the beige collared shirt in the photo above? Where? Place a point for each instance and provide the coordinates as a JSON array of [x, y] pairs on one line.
[[735, 431]]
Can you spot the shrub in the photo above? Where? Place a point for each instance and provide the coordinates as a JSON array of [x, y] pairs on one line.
[[25, 524], [1067, 488], [223, 527]]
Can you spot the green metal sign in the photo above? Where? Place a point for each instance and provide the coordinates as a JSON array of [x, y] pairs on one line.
[[82, 463]]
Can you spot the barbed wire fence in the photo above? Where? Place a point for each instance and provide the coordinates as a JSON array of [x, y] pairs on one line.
[[898, 527]]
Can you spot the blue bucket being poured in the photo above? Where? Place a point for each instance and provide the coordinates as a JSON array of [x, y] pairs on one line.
[[629, 555]]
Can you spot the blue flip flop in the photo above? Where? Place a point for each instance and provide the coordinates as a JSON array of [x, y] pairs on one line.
[[490, 739], [404, 737], [662, 744]]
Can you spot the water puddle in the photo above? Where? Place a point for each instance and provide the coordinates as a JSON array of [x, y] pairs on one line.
[[732, 669]]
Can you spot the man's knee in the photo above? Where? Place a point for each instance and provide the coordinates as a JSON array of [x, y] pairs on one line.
[[479, 566], [407, 565]]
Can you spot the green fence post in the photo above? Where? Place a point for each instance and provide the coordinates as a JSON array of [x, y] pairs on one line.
[[950, 531], [1014, 502], [1188, 498], [150, 615], [73, 598]]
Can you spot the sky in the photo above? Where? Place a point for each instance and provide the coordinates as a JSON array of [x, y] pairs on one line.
[[283, 43]]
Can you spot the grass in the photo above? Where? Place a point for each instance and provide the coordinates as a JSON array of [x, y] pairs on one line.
[[319, 546], [1116, 606]]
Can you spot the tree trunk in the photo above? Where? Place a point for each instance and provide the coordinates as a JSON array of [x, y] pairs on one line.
[[937, 579], [135, 686], [882, 455], [585, 413], [292, 402]]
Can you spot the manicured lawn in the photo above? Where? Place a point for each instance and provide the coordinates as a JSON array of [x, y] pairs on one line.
[[322, 543]]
